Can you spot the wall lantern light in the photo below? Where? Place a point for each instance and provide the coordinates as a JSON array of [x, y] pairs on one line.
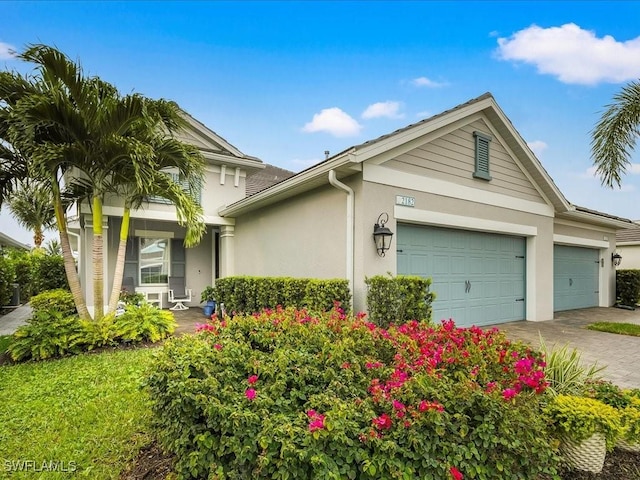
[[616, 259], [382, 235]]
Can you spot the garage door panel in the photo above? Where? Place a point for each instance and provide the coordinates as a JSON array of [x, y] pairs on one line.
[[575, 277], [481, 280]]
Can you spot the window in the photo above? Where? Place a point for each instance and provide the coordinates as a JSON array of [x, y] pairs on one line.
[[197, 193], [154, 260], [482, 156], [152, 256]]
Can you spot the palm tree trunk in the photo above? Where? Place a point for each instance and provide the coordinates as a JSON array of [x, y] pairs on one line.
[[98, 260], [38, 237], [119, 271], [69, 262]]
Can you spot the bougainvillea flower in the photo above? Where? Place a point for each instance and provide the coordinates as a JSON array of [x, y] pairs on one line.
[[252, 379], [509, 393], [250, 393], [455, 473], [383, 422]]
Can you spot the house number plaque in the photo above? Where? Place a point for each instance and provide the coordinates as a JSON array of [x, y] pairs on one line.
[[405, 201]]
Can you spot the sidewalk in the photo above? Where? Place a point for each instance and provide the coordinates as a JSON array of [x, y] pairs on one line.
[[10, 322]]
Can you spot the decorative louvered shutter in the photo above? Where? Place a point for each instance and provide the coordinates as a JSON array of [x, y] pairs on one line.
[[482, 156]]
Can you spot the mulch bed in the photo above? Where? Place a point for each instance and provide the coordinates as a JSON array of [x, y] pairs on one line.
[[153, 464]]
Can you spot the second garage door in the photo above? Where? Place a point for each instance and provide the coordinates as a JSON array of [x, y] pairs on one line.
[[575, 277], [478, 278]]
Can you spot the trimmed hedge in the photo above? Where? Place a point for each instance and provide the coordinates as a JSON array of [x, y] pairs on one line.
[[7, 274], [33, 271], [244, 294], [628, 287], [398, 299]]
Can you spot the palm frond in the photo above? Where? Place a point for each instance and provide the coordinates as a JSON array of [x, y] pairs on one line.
[[614, 137]]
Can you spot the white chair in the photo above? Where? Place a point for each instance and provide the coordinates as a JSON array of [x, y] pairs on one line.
[[178, 294]]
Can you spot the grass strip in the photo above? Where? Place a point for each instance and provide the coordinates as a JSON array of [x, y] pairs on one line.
[[615, 327]]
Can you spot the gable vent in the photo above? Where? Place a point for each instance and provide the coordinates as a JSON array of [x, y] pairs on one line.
[[482, 156]]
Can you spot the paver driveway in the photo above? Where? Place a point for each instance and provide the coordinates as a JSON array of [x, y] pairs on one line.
[[620, 353]]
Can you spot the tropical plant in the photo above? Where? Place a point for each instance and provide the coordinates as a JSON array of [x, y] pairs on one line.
[[52, 247], [208, 294], [50, 333], [32, 208], [144, 323], [615, 135], [565, 371], [63, 119]]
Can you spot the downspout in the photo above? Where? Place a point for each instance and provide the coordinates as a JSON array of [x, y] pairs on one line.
[[350, 224]]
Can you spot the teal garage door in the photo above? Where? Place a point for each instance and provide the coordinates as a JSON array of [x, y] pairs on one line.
[[575, 277], [478, 278]]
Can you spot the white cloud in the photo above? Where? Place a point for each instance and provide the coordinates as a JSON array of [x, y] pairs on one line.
[[334, 121], [537, 147], [426, 82], [424, 114], [7, 52], [386, 109], [573, 55], [590, 173]]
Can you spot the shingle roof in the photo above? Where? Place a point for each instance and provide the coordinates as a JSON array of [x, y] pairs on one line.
[[269, 176], [629, 236]]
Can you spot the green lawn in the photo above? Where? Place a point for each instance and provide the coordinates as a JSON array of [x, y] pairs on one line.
[[613, 327], [86, 409]]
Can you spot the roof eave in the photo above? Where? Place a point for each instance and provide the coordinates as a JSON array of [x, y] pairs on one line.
[[286, 187], [597, 219]]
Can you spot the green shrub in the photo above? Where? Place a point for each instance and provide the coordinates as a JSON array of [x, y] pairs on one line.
[[284, 394], [7, 276], [49, 274], [628, 287], [398, 299], [50, 333], [581, 417], [58, 300], [565, 371], [252, 294], [23, 267], [144, 323]]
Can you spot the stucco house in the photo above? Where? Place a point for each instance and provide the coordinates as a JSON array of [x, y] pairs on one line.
[[468, 203]]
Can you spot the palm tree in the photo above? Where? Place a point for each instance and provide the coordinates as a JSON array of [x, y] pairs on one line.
[[53, 247], [24, 139], [110, 141], [615, 135], [32, 208]]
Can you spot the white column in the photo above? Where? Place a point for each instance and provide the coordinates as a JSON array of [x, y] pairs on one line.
[[227, 255]]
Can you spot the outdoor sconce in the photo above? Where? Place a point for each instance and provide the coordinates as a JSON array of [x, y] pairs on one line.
[[382, 235], [616, 259]]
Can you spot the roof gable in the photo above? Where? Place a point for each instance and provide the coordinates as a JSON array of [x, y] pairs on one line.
[[389, 146], [215, 148]]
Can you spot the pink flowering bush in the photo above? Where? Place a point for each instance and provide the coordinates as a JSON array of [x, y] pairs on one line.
[[284, 394]]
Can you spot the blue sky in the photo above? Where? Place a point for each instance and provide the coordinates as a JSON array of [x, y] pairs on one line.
[[285, 81]]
